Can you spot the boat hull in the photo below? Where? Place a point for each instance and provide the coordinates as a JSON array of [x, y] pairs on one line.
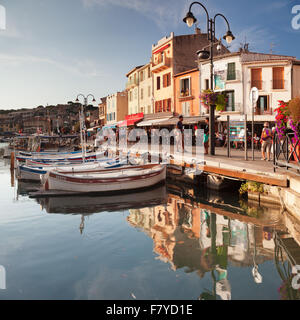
[[122, 182]]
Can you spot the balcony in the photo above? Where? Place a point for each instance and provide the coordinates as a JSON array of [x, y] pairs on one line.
[[186, 95], [279, 84], [235, 76], [132, 83], [259, 84], [236, 107], [161, 64]]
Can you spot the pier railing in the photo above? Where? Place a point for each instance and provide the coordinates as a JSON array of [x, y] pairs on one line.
[[286, 152]]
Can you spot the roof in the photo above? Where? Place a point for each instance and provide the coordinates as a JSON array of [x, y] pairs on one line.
[[133, 70], [249, 57], [185, 72]]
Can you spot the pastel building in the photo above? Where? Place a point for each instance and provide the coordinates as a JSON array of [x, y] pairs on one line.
[[187, 101], [116, 107], [145, 90], [132, 88], [275, 76], [171, 56]]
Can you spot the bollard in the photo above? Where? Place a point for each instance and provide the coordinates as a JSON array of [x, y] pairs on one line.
[[12, 161]]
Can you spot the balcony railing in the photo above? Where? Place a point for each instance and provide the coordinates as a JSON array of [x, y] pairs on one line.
[[279, 84], [187, 94], [234, 76], [259, 84], [132, 83], [162, 63], [236, 107]]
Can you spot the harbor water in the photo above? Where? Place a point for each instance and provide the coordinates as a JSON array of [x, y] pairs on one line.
[[170, 242]]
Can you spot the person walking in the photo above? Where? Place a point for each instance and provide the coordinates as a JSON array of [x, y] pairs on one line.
[[266, 138], [206, 136], [180, 133]]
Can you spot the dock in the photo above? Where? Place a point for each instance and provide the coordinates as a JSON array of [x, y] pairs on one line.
[[235, 167]]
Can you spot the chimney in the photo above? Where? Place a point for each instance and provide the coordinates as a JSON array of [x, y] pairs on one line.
[[197, 30]]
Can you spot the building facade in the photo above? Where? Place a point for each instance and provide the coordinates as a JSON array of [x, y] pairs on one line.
[[275, 76], [171, 56], [133, 90], [102, 111], [116, 107], [187, 101], [145, 90]]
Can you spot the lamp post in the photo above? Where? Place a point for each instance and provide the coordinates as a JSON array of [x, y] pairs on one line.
[[190, 20], [82, 122]]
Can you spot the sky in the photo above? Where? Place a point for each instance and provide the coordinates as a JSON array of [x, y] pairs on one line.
[[52, 50]]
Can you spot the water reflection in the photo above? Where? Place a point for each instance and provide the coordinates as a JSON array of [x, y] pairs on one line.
[[199, 231], [187, 233]]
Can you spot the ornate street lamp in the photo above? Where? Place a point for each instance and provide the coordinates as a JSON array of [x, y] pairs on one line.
[[190, 20]]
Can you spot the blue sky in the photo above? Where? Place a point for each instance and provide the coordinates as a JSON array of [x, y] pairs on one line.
[[52, 50]]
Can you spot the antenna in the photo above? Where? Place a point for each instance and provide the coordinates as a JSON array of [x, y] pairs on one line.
[[272, 46]]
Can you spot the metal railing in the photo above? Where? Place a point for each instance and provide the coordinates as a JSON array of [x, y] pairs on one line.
[[286, 152], [279, 84]]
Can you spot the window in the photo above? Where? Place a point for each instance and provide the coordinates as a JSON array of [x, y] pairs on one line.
[[142, 94], [149, 72], [230, 102], [206, 84], [149, 91], [142, 75], [185, 87], [185, 106], [158, 83], [256, 78], [158, 106], [135, 93], [231, 75], [263, 104], [278, 78], [167, 80]]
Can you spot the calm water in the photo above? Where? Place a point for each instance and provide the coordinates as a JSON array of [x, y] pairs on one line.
[[162, 244]]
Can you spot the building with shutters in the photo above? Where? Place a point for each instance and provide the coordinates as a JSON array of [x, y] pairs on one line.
[[171, 56], [277, 77]]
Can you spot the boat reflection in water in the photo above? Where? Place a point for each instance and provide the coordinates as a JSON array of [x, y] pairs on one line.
[[87, 205], [206, 236]]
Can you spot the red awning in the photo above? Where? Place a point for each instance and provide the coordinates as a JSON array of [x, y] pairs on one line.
[[131, 120], [162, 49]]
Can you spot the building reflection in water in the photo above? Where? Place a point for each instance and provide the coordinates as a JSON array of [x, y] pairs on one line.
[[201, 233], [190, 235]]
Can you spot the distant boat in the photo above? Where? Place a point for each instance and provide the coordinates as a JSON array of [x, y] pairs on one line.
[[109, 180], [35, 173], [59, 157]]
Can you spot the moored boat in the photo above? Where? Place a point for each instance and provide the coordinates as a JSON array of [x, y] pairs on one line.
[[35, 173], [111, 180]]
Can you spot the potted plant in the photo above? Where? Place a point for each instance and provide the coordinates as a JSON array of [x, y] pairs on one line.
[[282, 117], [221, 102], [294, 122], [208, 98]]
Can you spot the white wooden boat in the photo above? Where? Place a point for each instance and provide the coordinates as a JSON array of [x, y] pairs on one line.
[[34, 173], [74, 157], [109, 180]]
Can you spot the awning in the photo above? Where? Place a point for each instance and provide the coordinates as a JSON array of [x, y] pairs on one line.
[[131, 120], [161, 49], [110, 126], [153, 122], [240, 117]]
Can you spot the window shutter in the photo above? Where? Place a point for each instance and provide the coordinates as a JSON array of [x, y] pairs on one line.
[[231, 71]]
